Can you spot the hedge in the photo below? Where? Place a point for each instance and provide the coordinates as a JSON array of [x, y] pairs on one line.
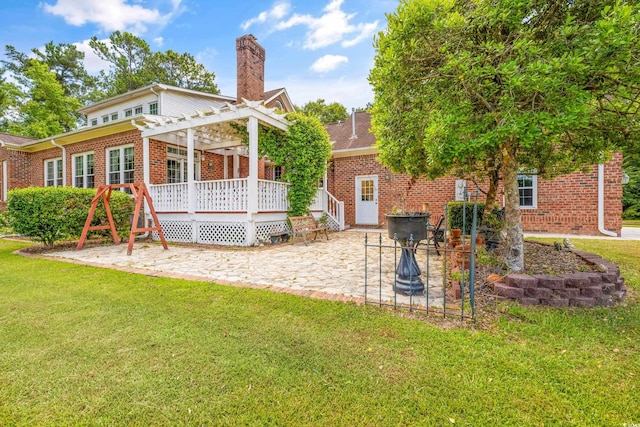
[[51, 214], [455, 215]]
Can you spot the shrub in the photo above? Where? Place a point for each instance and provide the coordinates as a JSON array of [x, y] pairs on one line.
[[51, 214], [456, 217]]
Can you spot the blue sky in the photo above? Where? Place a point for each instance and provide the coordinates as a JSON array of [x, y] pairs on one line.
[[316, 49]]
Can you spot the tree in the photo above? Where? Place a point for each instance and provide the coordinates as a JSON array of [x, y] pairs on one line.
[[64, 60], [184, 71], [546, 87], [331, 113], [9, 94], [131, 62], [42, 109], [134, 65]]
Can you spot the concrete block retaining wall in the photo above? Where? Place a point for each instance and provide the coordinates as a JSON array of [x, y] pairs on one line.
[[582, 289]]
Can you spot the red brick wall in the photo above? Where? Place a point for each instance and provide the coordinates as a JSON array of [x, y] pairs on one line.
[[567, 204]]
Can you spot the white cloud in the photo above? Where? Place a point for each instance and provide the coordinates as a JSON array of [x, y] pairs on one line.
[[158, 41], [92, 62], [364, 32], [206, 57], [331, 27], [278, 11], [111, 15], [328, 63]]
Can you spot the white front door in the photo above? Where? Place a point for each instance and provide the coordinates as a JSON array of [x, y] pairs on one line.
[[367, 199]]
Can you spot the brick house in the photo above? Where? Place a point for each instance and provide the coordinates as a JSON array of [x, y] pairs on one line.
[[576, 203], [207, 186]]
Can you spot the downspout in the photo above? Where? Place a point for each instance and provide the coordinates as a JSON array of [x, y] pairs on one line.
[[64, 162], [601, 228]]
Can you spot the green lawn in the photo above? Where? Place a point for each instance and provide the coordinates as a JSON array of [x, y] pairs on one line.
[[631, 223], [89, 346]]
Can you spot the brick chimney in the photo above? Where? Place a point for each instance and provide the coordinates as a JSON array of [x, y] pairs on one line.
[[251, 57]]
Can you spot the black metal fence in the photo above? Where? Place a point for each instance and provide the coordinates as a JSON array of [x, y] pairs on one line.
[[435, 275]]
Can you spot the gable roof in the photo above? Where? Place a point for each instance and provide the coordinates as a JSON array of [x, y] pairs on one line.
[[270, 95], [344, 143], [15, 140]]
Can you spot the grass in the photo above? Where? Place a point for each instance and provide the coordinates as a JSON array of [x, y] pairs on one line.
[[631, 223], [89, 346]]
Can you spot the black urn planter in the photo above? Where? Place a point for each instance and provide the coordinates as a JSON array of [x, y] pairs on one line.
[[408, 229]]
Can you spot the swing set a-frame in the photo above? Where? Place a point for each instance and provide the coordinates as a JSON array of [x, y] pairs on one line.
[[140, 195]]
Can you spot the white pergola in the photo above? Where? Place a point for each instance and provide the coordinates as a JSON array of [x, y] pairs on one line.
[[212, 130]]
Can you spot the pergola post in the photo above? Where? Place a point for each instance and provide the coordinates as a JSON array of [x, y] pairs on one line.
[[191, 183], [252, 180]]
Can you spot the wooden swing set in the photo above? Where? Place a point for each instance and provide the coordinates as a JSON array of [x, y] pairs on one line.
[[140, 194]]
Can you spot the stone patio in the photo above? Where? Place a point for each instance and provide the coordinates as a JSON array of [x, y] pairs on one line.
[[333, 269]]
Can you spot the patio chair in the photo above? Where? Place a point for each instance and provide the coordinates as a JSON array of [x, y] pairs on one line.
[[435, 234]]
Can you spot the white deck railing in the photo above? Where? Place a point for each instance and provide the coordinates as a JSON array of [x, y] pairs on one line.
[[170, 197], [325, 202], [232, 195], [272, 196], [228, 195]]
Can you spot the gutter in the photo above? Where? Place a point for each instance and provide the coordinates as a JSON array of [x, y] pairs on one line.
[[64, 162], [601, 228]]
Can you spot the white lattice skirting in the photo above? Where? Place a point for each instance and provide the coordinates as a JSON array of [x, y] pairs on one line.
[[217, 233]]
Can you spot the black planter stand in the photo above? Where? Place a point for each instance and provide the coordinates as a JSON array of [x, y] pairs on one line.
[[408, 281], [408, 230]]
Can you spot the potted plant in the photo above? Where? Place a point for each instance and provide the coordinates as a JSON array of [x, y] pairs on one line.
[[408, 228]]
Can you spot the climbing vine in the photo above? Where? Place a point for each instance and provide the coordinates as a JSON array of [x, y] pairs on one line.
[[303, 153]]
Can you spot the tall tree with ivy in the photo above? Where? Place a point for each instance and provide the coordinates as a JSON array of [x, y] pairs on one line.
[[546, 87]]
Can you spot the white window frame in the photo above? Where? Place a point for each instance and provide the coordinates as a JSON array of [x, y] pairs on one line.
[[94, 122], [155, 103], [84, 157], [534, 188], [114, 116], [128, 112], [105, 119], [175, 153], [57, 181], [138, 109], [121, 172]]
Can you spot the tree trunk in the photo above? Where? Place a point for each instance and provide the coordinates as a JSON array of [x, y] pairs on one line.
[[492, 192], [512, 238]]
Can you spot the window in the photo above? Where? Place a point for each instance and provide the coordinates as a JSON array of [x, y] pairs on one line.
[[528, 188], [366, 192], [153, 108], [94, 122], [277, 173], [114, 116], [53, 173], [278, 105], [139, 109], [177, 165], [128, 113], [105, 119], [120, 165], [5, 186], [83, 171]]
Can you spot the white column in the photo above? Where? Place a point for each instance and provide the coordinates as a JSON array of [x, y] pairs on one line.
[[191, 183], [252, 181], [146, 161]]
